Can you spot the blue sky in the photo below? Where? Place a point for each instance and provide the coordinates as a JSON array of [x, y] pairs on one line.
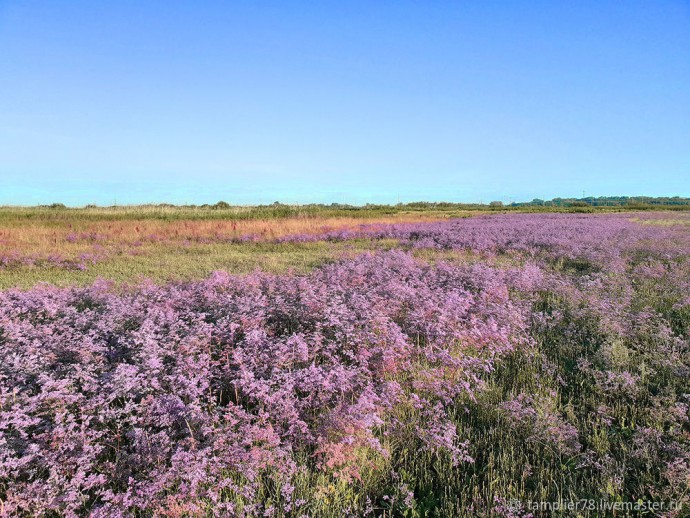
[[251, 102]]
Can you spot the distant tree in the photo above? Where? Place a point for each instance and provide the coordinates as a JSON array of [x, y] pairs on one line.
[[221, 205], [496, 204]]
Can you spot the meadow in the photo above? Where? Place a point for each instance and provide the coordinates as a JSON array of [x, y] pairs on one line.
[[403, 362]]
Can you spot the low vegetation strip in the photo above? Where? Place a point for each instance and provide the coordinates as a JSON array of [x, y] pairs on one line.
[[75, 252]]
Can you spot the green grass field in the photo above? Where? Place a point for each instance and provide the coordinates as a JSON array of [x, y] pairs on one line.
[[166, 263]]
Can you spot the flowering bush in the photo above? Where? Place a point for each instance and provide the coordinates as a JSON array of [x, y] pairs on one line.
[[162, 396]]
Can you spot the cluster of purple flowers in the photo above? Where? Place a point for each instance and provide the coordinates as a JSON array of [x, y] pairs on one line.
[[85, 237], [599, 238], [162, 396], [81, 262]]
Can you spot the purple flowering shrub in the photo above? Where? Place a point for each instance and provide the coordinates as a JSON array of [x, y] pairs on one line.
[[579, 242], [181, 397], [378, 384]]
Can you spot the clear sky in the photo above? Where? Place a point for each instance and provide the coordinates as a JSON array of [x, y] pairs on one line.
[[372, 101]]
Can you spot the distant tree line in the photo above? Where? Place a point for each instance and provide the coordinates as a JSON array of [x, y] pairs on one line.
[[277, 208], [605, 201]]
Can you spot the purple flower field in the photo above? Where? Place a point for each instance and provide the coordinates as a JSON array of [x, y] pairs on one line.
[[526, 358]]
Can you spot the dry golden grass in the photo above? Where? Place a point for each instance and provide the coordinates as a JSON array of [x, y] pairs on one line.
[[68, 248], [71, 238]]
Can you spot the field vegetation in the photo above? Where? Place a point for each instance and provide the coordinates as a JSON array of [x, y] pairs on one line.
[[75, 246], [410, 365]]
